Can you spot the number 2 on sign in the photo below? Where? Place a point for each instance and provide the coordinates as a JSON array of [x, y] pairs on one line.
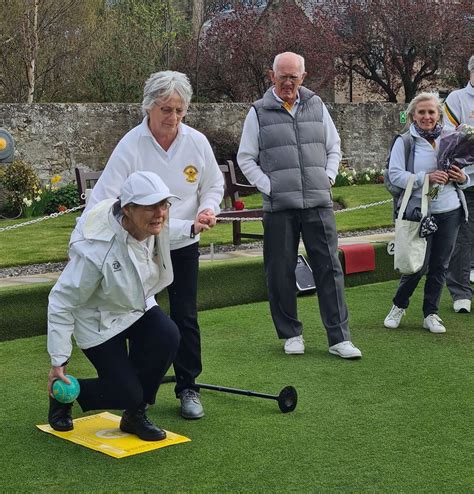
[[391, 248]]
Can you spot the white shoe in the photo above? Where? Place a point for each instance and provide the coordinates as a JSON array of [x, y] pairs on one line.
[[345, 349], [471, 276], [434, 323], [462, 305], [294, 346], [394, 317]]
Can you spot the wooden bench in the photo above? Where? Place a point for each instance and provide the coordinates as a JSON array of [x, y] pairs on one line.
[[232, 188], [86, 181]]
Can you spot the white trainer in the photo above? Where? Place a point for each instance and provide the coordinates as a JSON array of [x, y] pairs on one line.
[[294, 346], [434, 323], [345, 349], [392, 321], [462, 305], [471, 276]]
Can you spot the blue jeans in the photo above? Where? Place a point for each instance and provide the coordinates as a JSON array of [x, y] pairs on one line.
[[438, 254]]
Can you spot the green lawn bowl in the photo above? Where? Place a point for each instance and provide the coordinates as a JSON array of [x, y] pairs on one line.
[[66, 393]]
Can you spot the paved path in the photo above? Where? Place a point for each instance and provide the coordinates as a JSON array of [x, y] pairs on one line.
[[234, 254], [31, 279], [363, 239]]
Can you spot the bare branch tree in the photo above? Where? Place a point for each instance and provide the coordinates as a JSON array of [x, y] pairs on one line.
[[395, 44], [29, 31]]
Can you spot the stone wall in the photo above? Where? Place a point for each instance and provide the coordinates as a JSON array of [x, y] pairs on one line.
[[55, 138]]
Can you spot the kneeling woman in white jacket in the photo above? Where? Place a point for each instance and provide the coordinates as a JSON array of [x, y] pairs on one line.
[[119, 258]]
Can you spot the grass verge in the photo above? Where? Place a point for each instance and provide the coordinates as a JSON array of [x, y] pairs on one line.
[[47, 241]]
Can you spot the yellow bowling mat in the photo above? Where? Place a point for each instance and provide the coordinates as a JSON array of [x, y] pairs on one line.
[[101, 432]]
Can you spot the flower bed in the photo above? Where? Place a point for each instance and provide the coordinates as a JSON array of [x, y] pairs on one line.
[[347, 176]]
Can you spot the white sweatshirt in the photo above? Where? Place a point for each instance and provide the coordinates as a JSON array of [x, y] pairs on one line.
[[188, 168], [459, 107]]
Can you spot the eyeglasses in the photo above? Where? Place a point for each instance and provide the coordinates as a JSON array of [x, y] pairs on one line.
[[291, 78], [162, 206]]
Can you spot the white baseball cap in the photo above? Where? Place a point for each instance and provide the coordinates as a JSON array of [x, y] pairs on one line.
[[145, 189]]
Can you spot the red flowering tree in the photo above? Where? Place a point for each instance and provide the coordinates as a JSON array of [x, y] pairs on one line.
[[395, 44], [238, 46]]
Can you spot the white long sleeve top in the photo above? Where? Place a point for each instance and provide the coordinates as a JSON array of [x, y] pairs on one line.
[[188, 168], [459, 107], [247, 156]]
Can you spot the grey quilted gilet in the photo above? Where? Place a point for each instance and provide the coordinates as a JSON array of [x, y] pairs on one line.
[[293, 153]]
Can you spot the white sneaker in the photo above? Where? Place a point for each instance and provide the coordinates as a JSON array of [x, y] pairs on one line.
[[394, 317], [434, 323], [345, 349], [471, 276], [294, 346], [462, 305]]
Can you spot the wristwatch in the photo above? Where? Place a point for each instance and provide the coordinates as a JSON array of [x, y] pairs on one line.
[[192, 234]]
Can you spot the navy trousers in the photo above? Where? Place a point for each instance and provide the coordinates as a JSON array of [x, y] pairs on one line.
[[438, 254], [130, 375], [182, 295]]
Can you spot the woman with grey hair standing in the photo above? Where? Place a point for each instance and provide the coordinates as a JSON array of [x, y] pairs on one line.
[[184, 159], [425, 117]]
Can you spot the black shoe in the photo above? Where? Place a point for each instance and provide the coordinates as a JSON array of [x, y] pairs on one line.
[[138, 423], [60, 415]]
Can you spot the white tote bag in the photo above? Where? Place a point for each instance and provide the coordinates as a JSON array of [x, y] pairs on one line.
[[410, 248]]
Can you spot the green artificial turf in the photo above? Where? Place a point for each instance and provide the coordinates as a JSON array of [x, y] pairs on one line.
[[47, 241], [398, 420]]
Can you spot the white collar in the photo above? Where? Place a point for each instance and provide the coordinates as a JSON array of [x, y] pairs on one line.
[[281, 101]]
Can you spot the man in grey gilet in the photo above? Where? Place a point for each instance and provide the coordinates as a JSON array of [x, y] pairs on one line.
[[290, 150]]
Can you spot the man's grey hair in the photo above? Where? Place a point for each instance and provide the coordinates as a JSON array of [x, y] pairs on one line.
[[162, 85], [424, 96], [470, 65], [277, 59]]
